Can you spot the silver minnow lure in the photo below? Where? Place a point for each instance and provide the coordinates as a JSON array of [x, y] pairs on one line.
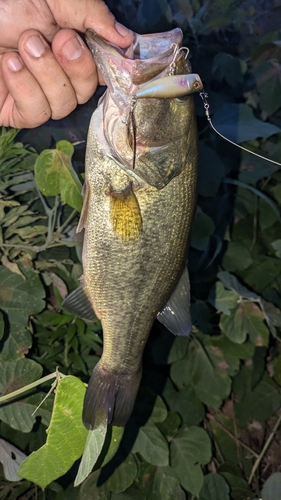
[[171, 86]]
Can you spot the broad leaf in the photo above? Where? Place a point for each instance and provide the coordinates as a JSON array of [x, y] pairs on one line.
[[19, 298], [190, 448], [202, 229], [272, 487], [238, 123], [14, 375], [223, 300], [166, 485], [211, 384], [152, 445], [247, 319], [259, 404], [92, 450], [66, 436], [215, 487], [55, 175]]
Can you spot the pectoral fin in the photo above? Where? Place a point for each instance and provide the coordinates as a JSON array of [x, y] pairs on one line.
[[125, 213], [77, 303], [175, 315]]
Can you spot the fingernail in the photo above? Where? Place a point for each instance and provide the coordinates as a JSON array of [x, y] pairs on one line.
[[122, 29], [35, 46], [73, 49], [14, 63]]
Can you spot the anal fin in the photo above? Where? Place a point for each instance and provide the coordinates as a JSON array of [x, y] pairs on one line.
[[78, 304], [176, 315]]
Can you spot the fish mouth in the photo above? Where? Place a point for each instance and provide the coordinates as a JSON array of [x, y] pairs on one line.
[[123, 70], [143, 47]]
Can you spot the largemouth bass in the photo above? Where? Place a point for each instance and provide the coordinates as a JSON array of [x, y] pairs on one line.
[[139, 202]]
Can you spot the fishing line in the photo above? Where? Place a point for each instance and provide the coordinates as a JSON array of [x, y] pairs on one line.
[[204, 97], [132, 121]]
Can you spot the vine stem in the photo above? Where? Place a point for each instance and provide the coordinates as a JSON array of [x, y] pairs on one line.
[[263, 451], [232, 436], [65, 224], [26, 388]]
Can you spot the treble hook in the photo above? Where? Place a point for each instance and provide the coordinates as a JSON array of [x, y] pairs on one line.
[[177, 50]]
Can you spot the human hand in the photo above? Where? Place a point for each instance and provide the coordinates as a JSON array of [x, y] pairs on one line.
[[39, 80]]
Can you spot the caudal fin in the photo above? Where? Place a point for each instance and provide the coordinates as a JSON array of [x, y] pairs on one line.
[[109, 396]]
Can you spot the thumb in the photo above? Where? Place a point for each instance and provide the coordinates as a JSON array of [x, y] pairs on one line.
[[94, 14]]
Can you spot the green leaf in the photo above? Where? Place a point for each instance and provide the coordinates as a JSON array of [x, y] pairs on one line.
[[15, 374], [257, 192], [185, 402], [119, 474], [166, 485], [238, 123], [163, 352], [228, 67], [272, 487], [214, 487], [148, 405], [259, 404], [222, 440], [240, 489], [55, 175], [89, 490], [272, 316], [94, 443], [223, 300], [237, 257], [66, 436], [254, 169], [190, 448], [170, 425], [19, 298], [202, 229], [267, 217], [152, 445], [115, 440], [246, 320], [267, 75], [232, 282], [2, 325], [277, 247], [211, 384], [65, 147], [130, 494]]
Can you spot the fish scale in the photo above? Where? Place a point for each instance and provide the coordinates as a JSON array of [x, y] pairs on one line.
[[137, 223]]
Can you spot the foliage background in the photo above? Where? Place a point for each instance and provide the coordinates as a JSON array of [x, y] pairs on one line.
[[212, 432]]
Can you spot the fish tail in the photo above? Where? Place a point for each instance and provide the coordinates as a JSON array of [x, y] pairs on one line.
[[110, 397]]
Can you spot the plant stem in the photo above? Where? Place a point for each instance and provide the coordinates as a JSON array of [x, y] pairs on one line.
[[263, 451], [65, 224], [26, 388], [46, 208], [211, 417]]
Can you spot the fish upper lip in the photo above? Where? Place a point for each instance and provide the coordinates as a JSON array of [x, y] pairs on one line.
[[149, 48]]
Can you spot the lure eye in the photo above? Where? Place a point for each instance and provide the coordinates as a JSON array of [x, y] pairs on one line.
[[196, 85]]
